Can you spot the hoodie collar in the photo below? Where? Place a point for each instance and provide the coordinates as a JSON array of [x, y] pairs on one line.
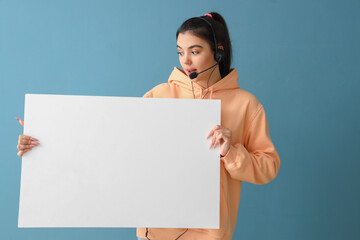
[[179, 78]]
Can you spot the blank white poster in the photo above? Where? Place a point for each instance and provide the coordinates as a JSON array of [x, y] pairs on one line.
[[120, 162]]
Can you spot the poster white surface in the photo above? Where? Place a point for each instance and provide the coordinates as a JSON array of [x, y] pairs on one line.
[[120, 162]]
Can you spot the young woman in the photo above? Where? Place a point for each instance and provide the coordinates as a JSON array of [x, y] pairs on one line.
[[246, 150]]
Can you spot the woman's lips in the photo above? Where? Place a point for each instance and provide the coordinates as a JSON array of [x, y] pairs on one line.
[[190, 71]]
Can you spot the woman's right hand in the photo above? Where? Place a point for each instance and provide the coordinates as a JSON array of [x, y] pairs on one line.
[[25, 143]]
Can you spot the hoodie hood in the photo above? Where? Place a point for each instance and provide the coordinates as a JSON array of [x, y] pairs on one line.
[[179, 77]]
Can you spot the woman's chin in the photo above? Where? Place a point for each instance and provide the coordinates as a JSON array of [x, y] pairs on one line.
[[195, 80]]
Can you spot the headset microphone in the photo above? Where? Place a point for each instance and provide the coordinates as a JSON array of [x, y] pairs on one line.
[[195, 74]]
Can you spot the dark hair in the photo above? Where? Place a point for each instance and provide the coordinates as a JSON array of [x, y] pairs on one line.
[[202, 29]]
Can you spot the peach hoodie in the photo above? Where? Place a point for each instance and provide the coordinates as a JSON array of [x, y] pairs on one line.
[[252, 156]]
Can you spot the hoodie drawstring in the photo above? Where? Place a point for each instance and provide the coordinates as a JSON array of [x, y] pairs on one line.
[[192, 86], [202, 91]]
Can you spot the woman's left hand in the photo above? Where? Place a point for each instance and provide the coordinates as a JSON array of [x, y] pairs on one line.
[[220, 135]]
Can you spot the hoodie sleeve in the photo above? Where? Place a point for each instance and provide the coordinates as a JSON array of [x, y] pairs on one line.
[[148, 95], [257, 161]]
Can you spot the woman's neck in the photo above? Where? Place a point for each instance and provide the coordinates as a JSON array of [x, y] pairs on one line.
[[208, 82]]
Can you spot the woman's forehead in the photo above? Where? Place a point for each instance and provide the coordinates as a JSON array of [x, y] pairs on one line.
[[188, 39]]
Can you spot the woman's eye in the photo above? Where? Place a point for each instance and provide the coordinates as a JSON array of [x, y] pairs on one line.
[[195, 52], [180, 53]]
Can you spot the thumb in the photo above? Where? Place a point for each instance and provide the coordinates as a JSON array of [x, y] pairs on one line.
[[20, 121]]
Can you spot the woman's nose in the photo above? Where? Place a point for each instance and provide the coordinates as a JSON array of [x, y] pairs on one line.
[[186, 59]]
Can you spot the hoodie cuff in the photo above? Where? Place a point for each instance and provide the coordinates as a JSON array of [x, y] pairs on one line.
[[233, 155]]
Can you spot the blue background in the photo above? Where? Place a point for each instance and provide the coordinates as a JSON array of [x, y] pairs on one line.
[[301, 59]]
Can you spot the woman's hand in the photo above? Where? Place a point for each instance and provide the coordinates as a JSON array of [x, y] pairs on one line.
[[220, 135], [25, 143]]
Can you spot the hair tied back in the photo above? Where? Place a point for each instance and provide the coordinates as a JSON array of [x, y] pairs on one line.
[[208, 14]]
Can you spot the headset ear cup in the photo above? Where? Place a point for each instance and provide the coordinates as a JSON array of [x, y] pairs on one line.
[[220, 54]]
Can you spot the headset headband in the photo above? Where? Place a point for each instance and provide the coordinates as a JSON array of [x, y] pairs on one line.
[[219, 53]]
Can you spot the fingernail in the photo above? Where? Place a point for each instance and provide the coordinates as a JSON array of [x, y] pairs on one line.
[[34, 139]]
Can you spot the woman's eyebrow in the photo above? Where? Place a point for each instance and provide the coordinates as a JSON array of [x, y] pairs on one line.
[[192, 46]]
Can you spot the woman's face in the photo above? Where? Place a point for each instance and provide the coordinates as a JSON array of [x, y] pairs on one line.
[[195, 55]]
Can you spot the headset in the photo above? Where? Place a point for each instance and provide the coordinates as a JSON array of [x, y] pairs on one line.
[[219, 53]]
